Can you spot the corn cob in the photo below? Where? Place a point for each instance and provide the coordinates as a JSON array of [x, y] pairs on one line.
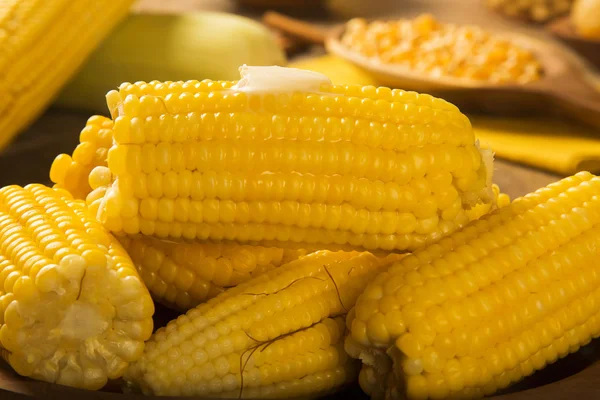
[[182, 275], [489, 304], [427, 46], [347, 167], [43, 43], [73, 310], [71, 172], [136, 49], [278, 335]]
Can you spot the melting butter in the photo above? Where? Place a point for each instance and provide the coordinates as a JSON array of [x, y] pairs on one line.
[[276, 79]]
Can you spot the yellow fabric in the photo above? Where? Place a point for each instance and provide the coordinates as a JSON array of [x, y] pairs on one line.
[[544, 142]]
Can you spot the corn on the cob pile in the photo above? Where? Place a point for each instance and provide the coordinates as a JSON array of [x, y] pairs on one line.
[[73, 309], [302, 163], [489, 304], [426, 46], [182, 275], [534, 10], [278, 335], [43, 43]]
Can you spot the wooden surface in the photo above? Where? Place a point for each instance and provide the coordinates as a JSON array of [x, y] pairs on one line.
[[28, 159]]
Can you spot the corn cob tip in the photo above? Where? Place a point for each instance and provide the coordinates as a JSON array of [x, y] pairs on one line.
[[74, 310]]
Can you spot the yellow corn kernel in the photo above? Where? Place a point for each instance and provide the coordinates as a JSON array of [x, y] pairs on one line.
[[73, 309], [278, 335], [427, 46], [492, 302], [71, 172], [351, 168], [183, 275], [43, 44], [500, 200]]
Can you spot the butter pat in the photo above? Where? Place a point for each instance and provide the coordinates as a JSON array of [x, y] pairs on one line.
[[279, 79]]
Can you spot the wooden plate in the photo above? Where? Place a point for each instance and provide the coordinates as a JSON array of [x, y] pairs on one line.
[[574, 377]]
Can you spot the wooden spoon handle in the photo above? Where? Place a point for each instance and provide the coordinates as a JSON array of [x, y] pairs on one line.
[[295, 28], [577, 98]]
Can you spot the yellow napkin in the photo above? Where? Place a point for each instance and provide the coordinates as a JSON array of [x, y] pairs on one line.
[[544, 142]]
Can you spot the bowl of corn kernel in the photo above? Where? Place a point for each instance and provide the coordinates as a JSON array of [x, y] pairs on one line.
[[427, 49]]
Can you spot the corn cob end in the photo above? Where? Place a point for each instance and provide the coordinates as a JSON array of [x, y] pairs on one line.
[[73, 310]]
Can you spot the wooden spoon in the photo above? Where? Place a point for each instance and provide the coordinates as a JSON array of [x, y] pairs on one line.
[[564, 86]]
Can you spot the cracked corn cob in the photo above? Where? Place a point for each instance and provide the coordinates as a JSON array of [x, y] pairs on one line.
[[284, 158], [489, 304], [43, 43], [278, 335], [180, 275], [72, 308]]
